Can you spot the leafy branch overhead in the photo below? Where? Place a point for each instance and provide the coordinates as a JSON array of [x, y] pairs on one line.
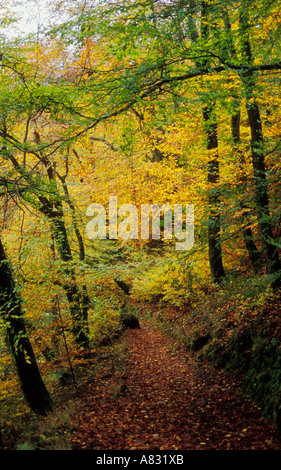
[[109, 109]]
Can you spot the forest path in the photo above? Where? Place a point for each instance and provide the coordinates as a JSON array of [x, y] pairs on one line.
[[169, 401]]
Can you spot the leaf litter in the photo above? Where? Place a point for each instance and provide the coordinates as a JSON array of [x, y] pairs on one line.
[[168, 400]]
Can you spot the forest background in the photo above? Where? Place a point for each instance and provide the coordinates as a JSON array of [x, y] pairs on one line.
[[155, 102]]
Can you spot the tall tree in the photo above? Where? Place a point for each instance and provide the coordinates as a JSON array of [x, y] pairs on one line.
[[11, 311], [52, 208], [253, 251], [149, 54], [33, 96], [258, 153], [229, 53], [211, 129]]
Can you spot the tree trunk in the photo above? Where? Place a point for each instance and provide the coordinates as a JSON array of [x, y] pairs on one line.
[[85, 296], [226, 54], [261, 195], [31, 381], [53, 210], [253, 251], [258, 159], [78, 302], [75, 300], [209, 118], [214, 225]]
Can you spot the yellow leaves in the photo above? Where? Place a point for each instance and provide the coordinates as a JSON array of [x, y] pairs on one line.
[[271, 23], [174, 282], [265, 298], [103, 321]]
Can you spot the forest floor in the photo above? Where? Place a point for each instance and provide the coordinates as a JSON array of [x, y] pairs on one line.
[[167, 399]]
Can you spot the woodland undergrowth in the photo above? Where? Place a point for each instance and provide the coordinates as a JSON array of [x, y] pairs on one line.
[[236, 326]]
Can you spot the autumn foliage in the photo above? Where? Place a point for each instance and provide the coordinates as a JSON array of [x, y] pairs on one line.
[[154, 102]]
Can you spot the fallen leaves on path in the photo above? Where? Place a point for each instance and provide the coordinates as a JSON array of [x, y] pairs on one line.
[[169, 400]]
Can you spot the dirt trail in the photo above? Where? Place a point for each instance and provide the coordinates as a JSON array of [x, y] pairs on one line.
[[169, 401]]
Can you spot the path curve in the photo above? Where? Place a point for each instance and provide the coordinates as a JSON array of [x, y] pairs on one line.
[[169, 401]]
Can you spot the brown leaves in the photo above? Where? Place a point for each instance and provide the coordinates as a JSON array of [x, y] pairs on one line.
[[170, 402]]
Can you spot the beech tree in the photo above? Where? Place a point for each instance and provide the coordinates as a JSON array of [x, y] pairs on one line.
[[12, 315], [154, 101], [23, 149], [211, 130], [257, 150], [152, 49]]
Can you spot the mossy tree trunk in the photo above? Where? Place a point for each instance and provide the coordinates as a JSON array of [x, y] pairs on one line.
[[76, 299], [52, 208]]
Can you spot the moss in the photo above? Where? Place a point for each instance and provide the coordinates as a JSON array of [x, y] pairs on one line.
[[256, 357], [263, 378]]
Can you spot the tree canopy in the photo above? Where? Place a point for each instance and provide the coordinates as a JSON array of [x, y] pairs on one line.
[[152, 102]]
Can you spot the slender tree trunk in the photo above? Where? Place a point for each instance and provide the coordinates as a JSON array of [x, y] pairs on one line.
[[53, 210], [214, 225], [85, 296], [258, 160], [78, 302], [226, 54], [261, 194], [75, 301], [31, 381], [210, 123], [253, 251]]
